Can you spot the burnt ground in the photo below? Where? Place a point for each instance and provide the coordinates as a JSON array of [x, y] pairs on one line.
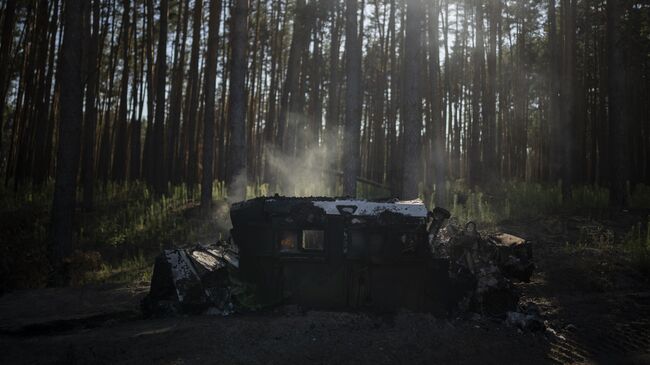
[[595, 301]]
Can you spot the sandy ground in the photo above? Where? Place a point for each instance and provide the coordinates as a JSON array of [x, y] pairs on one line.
[[596, 306]]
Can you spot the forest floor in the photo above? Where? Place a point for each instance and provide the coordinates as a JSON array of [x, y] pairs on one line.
[[593, 291]]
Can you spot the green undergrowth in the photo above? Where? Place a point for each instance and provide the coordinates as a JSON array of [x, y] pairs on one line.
[[117, 241], [519, 200], [637, 244]]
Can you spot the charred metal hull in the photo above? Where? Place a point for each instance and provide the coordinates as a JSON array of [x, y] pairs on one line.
[[326, 253], [366, 254]]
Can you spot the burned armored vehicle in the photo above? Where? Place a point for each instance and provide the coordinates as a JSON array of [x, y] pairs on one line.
[[335, 254], [327, 253]]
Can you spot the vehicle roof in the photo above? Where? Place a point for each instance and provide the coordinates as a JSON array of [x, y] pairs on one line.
[[339, 206]]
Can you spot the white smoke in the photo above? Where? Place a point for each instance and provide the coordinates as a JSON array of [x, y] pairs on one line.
[[237, 188], [309, 173]]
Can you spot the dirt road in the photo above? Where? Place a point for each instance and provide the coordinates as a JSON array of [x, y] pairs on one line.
[[596, 306]]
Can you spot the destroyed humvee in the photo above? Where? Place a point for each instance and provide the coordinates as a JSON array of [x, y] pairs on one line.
[[327, 253]]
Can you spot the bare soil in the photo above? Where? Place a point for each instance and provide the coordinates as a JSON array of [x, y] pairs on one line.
[[594, 300]]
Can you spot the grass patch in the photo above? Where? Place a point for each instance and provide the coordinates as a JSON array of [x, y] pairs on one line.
[[117, 241], [134, 270], [639, 197], [114, 243], [637, 244], [520, 200]]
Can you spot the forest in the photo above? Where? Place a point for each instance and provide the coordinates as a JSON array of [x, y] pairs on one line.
[[399, 95], [128, 126]]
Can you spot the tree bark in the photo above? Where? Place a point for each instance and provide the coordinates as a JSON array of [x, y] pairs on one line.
[[120, 146], [104, 163], [188, 143], [172, 160], [474, 153], [209, 117], [43, 139], [5, 48], [568, 97], [617, 109], [148, 158], [490, 171], [353, 92], [160, 181], [555, 154], [412, 101], [333, 105], [271, 125], [135, 156], [436, 106], [291, 101], [90, 118], [391, 113], [236, 177], [65, 188]]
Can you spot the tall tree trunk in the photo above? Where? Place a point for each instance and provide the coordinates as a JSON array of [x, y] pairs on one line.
[[135, 156], [618, 120], [209, 117], [353, 93], [489, 123], [20, 92], [412, 101], [253, 87], [176, 96], [438, 126], [148, 154], [120, 146], [377, 64], [271, 125], [316, 105], [43, 139], [188, 144], [393, 162], [292, 100], [333, 105], [32, 116], [568, 97], [555, 158], [90, 118], [160, 181], [519, 124], [236, 177], [65, 188], [474, 149], [222, 135], [104, 163], [5, 49]]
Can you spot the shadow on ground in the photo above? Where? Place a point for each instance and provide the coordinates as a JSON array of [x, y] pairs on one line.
[[596, 306], [591, 294]]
